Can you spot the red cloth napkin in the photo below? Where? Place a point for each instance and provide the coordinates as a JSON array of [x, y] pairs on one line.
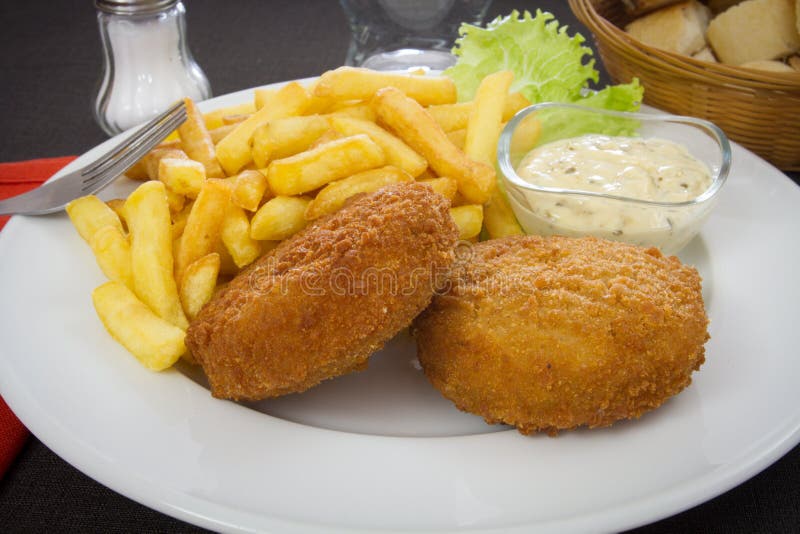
[[21, 176], [16, 178]]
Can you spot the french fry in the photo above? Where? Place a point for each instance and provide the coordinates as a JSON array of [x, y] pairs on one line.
[[203, 226], [156, 343], [183, 176], [361, 111], [486, 117], [118, 205], [349, 83], [317, 104], [514, 102], [279, 218], [427, 174], [218, 134], [199, 282], [138, 171], [229, 120], [151, 252], [214, 119], [262, 96], [179, 220], [396, 151], [456, 116], [481, 144], [175, 144], [236, 236], [226, 264], [525, 137], [328, 162], [89, 214], [233, 151], [327, 136], [173, 136], [469, 219], [176, 245], [152, 159], [175, 201], [333, 196], [498, 217], [447, 187], [409, 121], [249, 188], [197, 142], [339, 105], [286, 137], [459, 200], [113, 254], [458, 138], [451, 116]]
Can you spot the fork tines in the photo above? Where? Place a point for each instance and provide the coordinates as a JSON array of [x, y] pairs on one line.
[[123, 156]]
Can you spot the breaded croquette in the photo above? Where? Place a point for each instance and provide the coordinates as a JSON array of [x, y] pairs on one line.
[[548, 334], [325, 299]]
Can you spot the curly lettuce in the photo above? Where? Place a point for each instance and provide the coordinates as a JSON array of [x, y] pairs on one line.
[[548, 64]]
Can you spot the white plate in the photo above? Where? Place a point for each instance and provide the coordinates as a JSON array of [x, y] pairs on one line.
[[381, 449]]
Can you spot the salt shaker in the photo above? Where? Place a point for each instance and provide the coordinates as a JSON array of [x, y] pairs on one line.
[[147, 65]]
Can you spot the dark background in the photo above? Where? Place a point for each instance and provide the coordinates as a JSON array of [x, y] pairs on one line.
[[49, 66]]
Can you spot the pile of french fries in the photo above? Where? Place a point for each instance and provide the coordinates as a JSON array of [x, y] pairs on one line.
[[229, 185]]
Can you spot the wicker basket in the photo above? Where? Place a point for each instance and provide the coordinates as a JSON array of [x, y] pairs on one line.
[[760, 110]]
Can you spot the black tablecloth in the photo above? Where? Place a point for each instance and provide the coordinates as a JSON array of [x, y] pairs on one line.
[[49, 67]]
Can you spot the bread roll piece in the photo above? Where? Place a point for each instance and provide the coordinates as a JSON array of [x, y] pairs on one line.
[[705, 54], [769, 65], [679, 28], [755, 30]]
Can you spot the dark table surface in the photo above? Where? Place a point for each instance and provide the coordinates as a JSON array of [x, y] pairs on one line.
[[49, 67]]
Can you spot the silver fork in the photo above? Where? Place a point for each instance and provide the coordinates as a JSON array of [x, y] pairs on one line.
[[55, 195]]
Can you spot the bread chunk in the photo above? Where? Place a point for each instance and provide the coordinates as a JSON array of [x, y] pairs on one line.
[[755, 30], [679, 28]]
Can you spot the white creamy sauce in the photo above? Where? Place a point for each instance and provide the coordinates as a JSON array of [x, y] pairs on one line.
[[642, 168]]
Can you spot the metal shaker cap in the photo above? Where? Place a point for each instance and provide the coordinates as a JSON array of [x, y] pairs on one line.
[[133, 7]]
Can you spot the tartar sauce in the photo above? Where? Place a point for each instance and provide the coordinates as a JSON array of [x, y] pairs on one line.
[[641, 168]]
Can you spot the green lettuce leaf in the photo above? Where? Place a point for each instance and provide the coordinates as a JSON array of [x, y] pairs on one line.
[[548, 64], [563, 124], [623, 97]]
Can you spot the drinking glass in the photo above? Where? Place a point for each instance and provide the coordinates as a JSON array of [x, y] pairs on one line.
[[401, 34]]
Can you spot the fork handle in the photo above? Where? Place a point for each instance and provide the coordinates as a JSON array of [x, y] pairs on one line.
[[27, 203]]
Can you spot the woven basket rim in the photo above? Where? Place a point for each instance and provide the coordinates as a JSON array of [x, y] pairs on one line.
[[701, 70]]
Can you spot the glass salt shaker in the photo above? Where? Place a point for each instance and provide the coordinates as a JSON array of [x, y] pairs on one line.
[[147, 65]]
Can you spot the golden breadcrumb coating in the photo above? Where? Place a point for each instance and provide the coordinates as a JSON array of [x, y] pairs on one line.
[[553, 333], [325, 299]]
